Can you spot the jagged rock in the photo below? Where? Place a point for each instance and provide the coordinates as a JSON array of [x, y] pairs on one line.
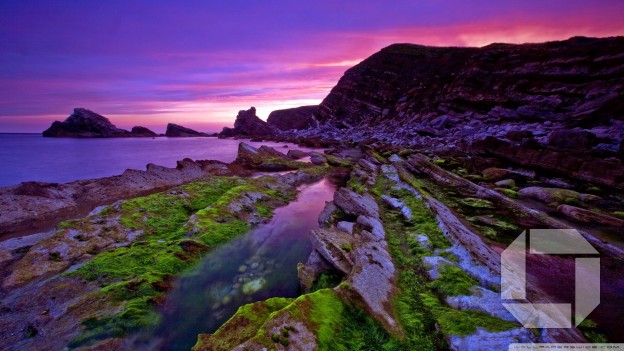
[[372, 283], [308, 272], [139, 131], [83, 123], [263, 158], [372, 228], [345, 226], [293, 118], [335, 247], [587, 216], [175, 130], [248, 124], [326, 217], [355, 204]]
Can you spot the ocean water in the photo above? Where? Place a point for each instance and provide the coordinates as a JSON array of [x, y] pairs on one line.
[[31, 157]]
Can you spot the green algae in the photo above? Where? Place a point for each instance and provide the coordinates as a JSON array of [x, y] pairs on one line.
[[476, 203], [244, 325], [464, 322], [418, 308], [338, 161], [136, 276], [453, 281]]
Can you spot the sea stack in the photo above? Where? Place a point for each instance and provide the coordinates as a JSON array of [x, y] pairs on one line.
[[175, 130], [83, 123], [247, 124]]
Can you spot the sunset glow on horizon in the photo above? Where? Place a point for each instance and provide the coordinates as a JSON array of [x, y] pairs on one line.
[[198, 63]]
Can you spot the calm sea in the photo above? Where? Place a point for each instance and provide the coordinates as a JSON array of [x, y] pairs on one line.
[[31, 157]]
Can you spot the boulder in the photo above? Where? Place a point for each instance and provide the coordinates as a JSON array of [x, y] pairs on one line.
[[83, 123], [355, 204], [247, 124], [176, 131], [297, 154], [317, 158], [506, 183], [293, 118], [335, 247], [263, 158]]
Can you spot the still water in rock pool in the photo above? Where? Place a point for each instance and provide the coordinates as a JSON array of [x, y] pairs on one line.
[[259, 265]]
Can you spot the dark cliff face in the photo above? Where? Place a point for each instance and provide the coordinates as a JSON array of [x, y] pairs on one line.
[[555, 107], [578, 80], [83, 123], [249, 125], [293, 118]]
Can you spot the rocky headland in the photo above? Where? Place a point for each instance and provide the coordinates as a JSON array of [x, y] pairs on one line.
[[83, 123], [178, 131], [441, 156]]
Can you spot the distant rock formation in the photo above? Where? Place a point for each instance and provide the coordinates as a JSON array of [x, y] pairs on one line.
[[248, 124], [139, 131], [175, 130], [293, 118], [84, 123]]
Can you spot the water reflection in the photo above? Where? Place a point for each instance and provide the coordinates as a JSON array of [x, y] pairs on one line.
[[257, 266]]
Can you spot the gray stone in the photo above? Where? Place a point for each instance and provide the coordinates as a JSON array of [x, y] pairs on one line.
[[355, 204]]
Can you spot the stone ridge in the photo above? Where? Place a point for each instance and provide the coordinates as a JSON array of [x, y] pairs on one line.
[[83, 123]]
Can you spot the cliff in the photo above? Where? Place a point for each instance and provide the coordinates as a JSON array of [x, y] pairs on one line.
[[554, 107], [83, 123], [293, 118]]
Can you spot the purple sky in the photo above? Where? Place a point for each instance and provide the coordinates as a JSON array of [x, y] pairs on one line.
[[197, 63]]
